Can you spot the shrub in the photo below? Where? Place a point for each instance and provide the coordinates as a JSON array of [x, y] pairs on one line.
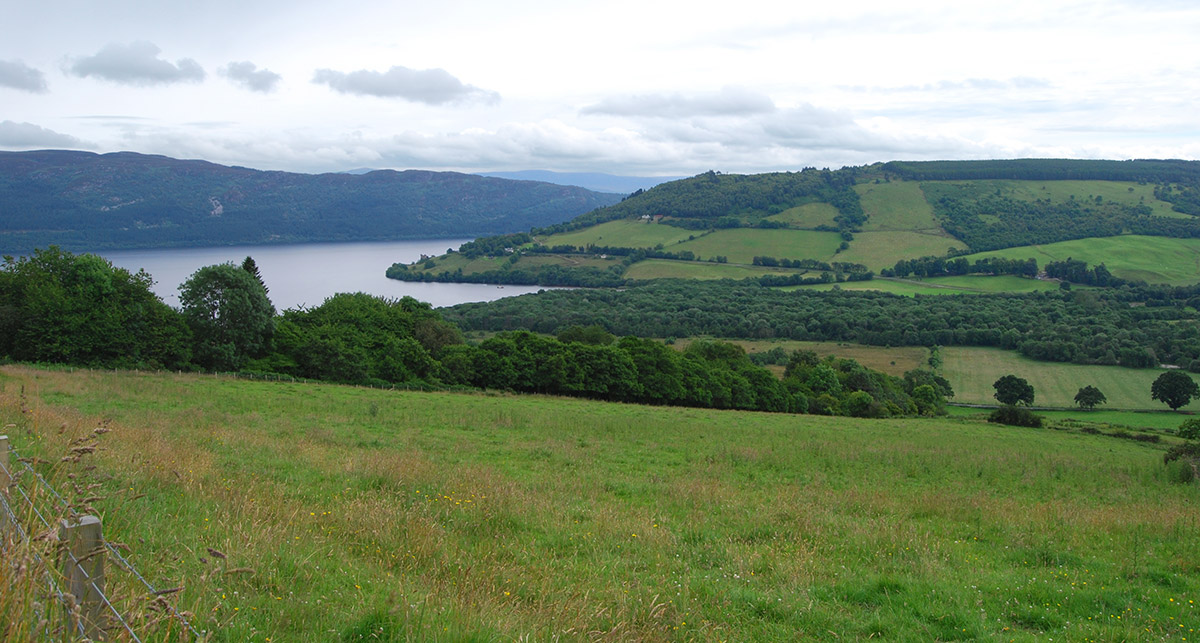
[[1015, 416]]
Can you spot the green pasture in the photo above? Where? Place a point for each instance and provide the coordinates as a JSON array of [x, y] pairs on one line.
[[622, 233], [671, 269], [809, 215], [898, 205], [1125, 192], [1152, 259], [972, 371], [567, 261], [344, 514], [891, 360], [959, 285], [878, 250], [741, 245], [454, 261], [1115, 420]]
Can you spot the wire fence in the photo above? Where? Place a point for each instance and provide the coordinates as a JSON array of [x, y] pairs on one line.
[[78, 581]]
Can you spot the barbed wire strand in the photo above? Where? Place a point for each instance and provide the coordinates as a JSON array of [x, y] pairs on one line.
[[54, 588], [103, 598], [123, 561]]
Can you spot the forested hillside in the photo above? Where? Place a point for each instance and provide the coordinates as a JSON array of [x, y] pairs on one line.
[[85, 201], [817, 226]]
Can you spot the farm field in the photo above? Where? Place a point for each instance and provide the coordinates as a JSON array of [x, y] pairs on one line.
[[624, 233], [878, 250], [671, 269], [1156, 260], [809, 215], [971, 371], [959, 285], [741, 245], [356, 514], [1129, 193], [890, 360], [899, 205], [569, 261], [1155, 420]]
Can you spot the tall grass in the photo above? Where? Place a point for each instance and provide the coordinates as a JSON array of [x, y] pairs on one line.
[[370, 515]]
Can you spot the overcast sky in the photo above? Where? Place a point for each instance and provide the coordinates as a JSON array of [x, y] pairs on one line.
[[645, 87]]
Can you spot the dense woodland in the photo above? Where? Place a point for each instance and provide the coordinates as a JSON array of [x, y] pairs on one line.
[[56, 307], [1135, 327]]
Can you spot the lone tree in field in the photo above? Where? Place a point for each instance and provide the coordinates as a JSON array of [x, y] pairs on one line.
[[1175, 389], [1089, 396], [1013, 390]]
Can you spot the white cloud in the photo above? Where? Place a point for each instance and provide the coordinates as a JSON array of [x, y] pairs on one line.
[[30, 136], [727, 102], [18, 75], [247, 75], [430, 86], [136, 64]]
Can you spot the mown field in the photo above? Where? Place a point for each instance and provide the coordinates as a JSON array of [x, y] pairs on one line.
[[878, 250], [671, 269], [1156, 260], [971, 371], [350, 514], [741, 245], [809, 215], [624, 233], [897, 205], [959, 285]]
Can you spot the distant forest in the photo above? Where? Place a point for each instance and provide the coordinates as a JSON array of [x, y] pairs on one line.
[[85, 201]]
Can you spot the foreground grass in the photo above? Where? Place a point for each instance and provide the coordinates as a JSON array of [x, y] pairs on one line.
[[972, 371], [372, 515]]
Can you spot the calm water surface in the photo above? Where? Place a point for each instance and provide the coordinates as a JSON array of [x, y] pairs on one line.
[[305, 274]]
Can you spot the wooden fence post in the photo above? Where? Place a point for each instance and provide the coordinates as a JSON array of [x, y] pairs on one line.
[[83, 569], [5, 480]]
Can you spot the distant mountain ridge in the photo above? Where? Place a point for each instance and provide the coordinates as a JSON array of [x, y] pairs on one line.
[[88, 201], [596, 181]]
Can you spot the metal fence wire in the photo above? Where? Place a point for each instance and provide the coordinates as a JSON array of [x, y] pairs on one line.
[[18, 507]]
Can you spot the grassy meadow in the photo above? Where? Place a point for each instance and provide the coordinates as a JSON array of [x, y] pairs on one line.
[[878, 250], [672, 269], [347, 514], [624, 233], [898, 205], [958, 285], [971, 371], [891, 360], [1156, 260], [741, 245], [809, 215]]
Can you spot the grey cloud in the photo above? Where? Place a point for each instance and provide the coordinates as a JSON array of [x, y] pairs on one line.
[[18, 75], [727, 102], [136, 64], [28, 135], [249, 76], [429, 86]]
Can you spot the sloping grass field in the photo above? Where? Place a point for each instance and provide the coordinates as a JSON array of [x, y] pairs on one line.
[[809, 215], [878, 250], [671, 269], [624, 233], [971, 371], [1156, 260], [898, 205], [741, 245], [345, 514]]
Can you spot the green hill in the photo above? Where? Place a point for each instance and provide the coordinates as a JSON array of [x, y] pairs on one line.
[[348, 514], [869, 218]]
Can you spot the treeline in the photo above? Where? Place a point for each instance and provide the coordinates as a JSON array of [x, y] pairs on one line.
[[953, 266], [1078, 272], [1129, 326], [1142, 171], [810, 264], [510, 274], [60, 308]]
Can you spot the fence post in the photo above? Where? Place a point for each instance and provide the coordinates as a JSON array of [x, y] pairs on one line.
[[83, 568], [5, 481]]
